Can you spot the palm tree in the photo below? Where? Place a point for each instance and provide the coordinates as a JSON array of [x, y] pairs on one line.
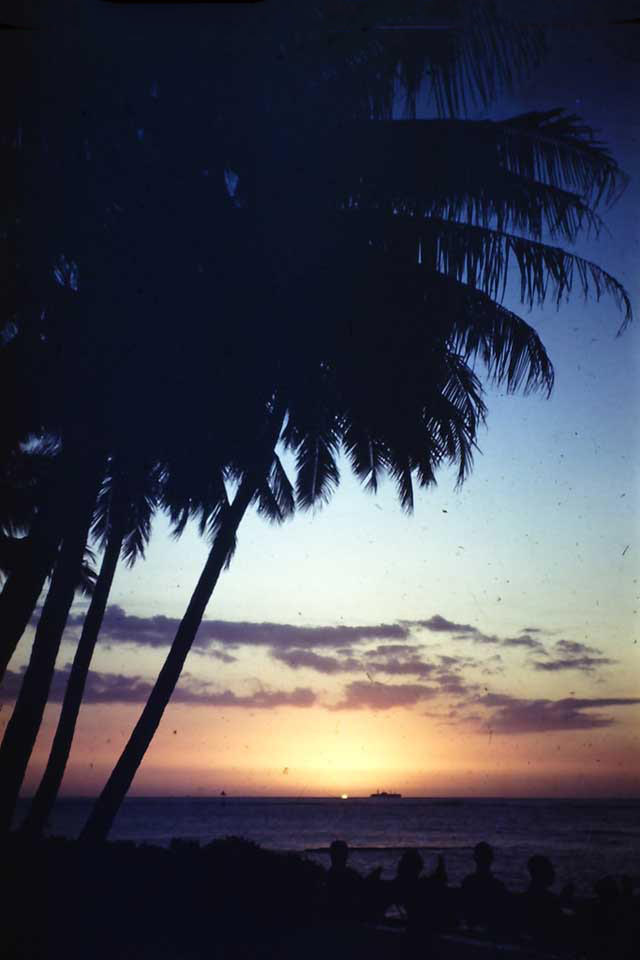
[[28, 570], [86, 381], [260, 479], [58, 397], [38, 389], [393, 252], [122, 524], [405, 427], [22, 728], [23, 489]]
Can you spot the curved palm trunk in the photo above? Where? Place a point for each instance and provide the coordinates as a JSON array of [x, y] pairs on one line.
[[24, 585], [23, 727], [47, 792], [108, 803]]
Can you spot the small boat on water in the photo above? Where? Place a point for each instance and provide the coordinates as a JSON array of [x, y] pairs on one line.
[[383, 795]]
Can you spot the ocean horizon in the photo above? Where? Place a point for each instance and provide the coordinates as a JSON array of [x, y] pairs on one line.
[[586, 838]]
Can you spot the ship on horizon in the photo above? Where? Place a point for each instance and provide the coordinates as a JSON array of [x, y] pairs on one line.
[[383, 795]]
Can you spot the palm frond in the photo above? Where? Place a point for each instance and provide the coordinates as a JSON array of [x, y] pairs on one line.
[[88, 573], [215, 528], [400, 469], [24, 474], [128, 499], [211, 506], [282, 488], [193, 489], [275, 496], [455, 419], [17, 509], [481, 258], [460, 54], [317, 468], [267, 503], [14, 550], [367, 454], [138, 522], [103, 508], [408, 425], [492, 53], [553, 146], [515, 183], [510, 349]]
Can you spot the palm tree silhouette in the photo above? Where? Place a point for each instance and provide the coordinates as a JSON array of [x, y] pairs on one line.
[[398, 247], [24, 723], [40, 389], [261, 480], [23, 488], [122, 524]]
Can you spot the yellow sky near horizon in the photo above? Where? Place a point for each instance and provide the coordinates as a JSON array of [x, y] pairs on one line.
[[318, 752]]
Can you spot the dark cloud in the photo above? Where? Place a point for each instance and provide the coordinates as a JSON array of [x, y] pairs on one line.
[[12, 681], [392, 666], [448, 662], [441, 625], [411, 667], [222, 656], [453, 683], [117, 688], [456, 716], [297, 659], [570, 655], [524, 640], [514, 715], [305, 646], [477, 637], [159, 631], [586, 664], [260, 700], [393, 650], [361, 695], [495, 700], [573, 649], [459, 631]]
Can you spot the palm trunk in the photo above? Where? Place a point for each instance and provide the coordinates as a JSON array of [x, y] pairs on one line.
[[46, 794], [24, 585], [23, 727], [108, 803]]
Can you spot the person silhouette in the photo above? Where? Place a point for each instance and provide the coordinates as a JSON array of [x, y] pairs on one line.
[[406, 890], [441, 899], [424, 900], [409, 895], [611, 928], [345, 886], [542, 917], [482, 894]]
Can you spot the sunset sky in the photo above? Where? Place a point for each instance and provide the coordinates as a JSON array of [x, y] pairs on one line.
[[486, 645]]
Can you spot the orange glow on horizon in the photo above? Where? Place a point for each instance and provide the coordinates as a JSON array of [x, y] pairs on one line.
[[320, 753]]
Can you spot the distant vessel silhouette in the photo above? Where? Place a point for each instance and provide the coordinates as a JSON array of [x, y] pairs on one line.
[[383, 795]]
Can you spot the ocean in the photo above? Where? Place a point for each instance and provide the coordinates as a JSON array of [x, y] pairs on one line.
[[585, 839]]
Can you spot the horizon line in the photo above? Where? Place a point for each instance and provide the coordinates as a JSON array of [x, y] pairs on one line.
[[337, 796]]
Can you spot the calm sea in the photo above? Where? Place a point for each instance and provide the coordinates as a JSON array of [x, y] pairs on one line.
[[585, 839]]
